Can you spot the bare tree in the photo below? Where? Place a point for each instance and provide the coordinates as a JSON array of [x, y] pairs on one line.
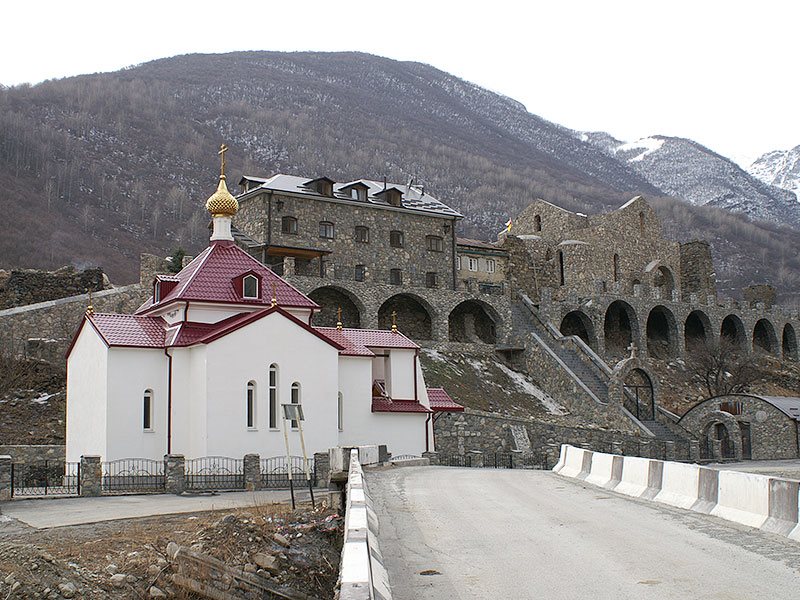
[[722, 367]]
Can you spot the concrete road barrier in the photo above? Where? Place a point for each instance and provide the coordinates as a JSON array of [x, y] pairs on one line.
[[743, 498], [783, 508], [562, 457], [601, 469], [635, 476], [707, 490], [573, 461], [680, 485]]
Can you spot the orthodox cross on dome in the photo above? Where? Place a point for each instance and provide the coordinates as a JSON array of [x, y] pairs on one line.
[[90, 307], [274, 295], [339, 318], [394, 321], [222, 150]]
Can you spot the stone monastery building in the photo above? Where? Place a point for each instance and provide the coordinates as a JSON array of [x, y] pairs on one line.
[[203, 367]]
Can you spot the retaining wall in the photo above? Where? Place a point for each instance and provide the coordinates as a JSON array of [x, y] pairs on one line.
[[28, 455], [768, 503]]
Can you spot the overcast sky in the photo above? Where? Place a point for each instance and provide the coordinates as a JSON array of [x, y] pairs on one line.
[[722, 73]]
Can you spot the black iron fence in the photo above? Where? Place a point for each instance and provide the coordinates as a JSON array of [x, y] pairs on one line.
[[214, 473], [274, 473], [50, 478], [133, 475], [498, 460]]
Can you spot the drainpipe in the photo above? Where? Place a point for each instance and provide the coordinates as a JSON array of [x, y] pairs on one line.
[[427, 433], [416, 396], [169, 401]]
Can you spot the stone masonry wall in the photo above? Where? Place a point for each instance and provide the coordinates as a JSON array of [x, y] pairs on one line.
[[697, 270], [29, 286], [29, 455]]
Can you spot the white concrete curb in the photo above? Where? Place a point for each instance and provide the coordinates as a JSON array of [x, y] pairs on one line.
[[362, 575], [768, 503]]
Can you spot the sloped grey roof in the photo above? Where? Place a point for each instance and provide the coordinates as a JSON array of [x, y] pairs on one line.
[[413, 196], [789, 405]]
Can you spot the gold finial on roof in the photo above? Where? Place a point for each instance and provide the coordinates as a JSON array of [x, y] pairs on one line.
[[274, 295], [339, 318], [90, 307], [394, 321], [222, 203]]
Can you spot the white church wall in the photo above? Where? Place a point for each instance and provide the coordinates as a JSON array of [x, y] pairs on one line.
[[131, 371], [401, 375], [87, 387], [246, 355], [403, 433], [209, 313]]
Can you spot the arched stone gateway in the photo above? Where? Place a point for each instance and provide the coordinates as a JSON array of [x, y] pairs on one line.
[[620, 328], [633, 387], [332, 298], [662, 333], [721, 438], [665, 281], [473, 321], [696, 330], [578, 323], [764, 337], [414, 316], [789, 342], [732, 331]]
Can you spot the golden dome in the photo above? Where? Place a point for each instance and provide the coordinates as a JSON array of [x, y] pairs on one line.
[[221, 202]]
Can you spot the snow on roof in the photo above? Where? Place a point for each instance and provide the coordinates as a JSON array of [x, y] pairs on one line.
[[573, 243], [477, 244], [414, 197], [629, 202], [441, 401], [210, 278]]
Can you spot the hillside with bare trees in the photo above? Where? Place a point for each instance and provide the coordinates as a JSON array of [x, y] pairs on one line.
[[96, 169]]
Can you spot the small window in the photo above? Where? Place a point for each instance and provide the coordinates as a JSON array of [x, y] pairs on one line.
[[473, 264], [251, 404], [250, 286], [362, 234], [434, 243], [273, 396], [537, 223], [458, 263], [616, 267], [326, 230], [295, 400], [147, 411], [340, 412], [358, 193], [490, 265], [641, 222], [360, 272], [396, 239], [396, 276], [289, 225], [561, 278], [431, 279]]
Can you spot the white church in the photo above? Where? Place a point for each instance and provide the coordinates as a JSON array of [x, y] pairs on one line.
[[204, 367]]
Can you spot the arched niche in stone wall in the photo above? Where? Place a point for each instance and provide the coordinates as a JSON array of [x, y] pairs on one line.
[[331, 299], [732, 330], [697, 331], [764, 337], [473, 321], [722, 427], [662, 333], [789, 342], [634, 386], [414, 316], [578, 323], [620, 328]]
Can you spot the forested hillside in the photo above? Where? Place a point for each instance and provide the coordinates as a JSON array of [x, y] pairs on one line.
[[95, 169]]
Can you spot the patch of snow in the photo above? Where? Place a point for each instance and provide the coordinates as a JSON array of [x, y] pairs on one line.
[[5, 519], [434, 355], [43, 398], [648, 145], [476, 364], [527, 387]]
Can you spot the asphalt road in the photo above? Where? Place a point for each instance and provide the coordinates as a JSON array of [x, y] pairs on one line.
[[516, 535]]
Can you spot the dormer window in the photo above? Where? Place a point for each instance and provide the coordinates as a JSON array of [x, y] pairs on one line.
[[322, 185], [392, 196], [250, 286]]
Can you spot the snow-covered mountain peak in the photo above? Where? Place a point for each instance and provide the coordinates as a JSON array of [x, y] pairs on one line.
[[780, 168]]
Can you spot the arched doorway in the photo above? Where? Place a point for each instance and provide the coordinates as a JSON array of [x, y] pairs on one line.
[[578, 323], [414, 316], [662, 333], [764, 337], [717, 431], [696, 330], [473, 321], [620, 328], [732, 331], [789, 342], [638, 396], [331, 299], [665, 281]]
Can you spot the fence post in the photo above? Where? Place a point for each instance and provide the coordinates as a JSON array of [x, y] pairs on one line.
[[644, 448], [716, 449], [669, 450], [616, 448], [174, 473], [476, 458], [433, 457], [6, 480], [322, 468], [252, 472], [694, 450], [91, 476]]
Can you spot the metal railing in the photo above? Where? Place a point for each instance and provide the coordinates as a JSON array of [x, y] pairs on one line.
[[50, 478], [214, 473], [273, 471], [136, 475]]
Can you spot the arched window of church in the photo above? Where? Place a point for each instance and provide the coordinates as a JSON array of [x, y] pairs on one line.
[[147, 410], [296, 399], [273, 396], [560, 268], [616, 267], [537, 223], [250, 286], [251, 405], [340, 412]]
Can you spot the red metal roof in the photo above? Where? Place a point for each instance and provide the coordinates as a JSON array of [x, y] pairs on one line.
[[129, 330], [402, 406], [441, 401], [210, 278], [358, 341], [340, 337]]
